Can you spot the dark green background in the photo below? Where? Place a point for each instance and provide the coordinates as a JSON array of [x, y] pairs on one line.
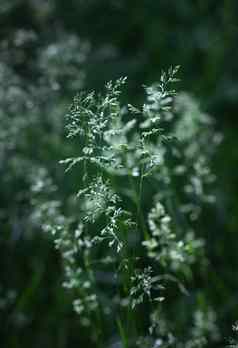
[[122, 38]]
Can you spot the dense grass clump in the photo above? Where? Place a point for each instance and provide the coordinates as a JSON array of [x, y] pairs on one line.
[[131, 247]]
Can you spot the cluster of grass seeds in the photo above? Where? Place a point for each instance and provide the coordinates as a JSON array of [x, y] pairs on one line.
[[233, 342], [144, 178]]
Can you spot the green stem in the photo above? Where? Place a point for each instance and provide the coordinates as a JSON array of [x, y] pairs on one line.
[[99, 322], [140, 215], [140, 194], [122, 333]]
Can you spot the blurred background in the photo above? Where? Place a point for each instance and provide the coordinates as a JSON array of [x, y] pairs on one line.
[[49, 50]]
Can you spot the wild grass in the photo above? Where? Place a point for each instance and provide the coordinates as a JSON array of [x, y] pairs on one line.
[[132, 246]]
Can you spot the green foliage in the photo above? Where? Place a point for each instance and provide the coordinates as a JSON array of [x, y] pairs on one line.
[[127, 154], [143, 232]]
